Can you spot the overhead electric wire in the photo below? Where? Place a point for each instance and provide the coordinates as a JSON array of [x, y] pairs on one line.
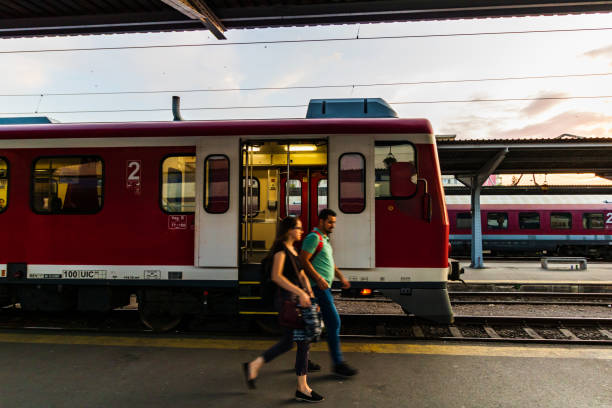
[[314, 40], [304, 105], [282, 88]]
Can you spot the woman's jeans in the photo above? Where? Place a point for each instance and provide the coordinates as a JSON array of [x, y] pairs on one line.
[[331, 318], [285, 344]]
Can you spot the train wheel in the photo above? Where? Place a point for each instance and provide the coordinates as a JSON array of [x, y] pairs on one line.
[[269, 326], [157, 320]]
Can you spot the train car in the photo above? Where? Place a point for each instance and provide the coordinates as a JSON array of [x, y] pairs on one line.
[[565, 225], [181, 213]]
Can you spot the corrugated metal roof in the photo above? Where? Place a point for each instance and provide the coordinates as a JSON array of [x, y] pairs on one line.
[[21, 18], [510, 142], [470, 157]]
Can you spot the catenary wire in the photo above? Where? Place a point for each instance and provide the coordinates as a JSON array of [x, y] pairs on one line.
[[280, 88], [304, 105], [315, 40]]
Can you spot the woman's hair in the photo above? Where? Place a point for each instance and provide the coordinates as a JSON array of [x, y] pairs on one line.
[[282, 235]]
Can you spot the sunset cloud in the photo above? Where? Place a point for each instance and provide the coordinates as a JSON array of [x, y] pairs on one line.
[[542, 105], [605, 52], [588, 124]]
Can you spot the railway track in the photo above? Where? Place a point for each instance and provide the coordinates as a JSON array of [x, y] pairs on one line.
[[514, 298], [522, 329], [565, 330]]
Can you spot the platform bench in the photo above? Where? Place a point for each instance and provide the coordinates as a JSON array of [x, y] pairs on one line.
[[567, 260]]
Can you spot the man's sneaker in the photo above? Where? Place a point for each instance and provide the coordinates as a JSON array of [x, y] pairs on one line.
[[313, 367], [313, 397], [345, 370]]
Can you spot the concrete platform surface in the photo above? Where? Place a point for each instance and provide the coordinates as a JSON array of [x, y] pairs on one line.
[[61, 370], [526, 271]]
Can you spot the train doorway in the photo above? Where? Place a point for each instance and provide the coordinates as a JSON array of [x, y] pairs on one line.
[[279, 178]]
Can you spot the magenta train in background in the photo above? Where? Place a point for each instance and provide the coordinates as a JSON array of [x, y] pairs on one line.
[[566, 225]]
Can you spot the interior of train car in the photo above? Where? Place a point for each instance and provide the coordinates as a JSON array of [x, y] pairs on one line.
[[279, 179]]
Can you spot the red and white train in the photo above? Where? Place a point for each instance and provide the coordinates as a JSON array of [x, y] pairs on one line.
[[180, 213], [569, 225]]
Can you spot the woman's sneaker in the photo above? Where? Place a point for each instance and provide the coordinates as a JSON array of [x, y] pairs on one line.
[[345, 370], [313, 397]]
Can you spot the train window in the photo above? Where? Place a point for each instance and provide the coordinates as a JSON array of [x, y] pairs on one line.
[[385, 155], [254, 196], [352, 183], [560, 220], [593, 221], [294, 197], [178, 184], [67, 185], [464, 220], [497, 220], [216, 193], [529, 220], [321, 195], [3, 184]]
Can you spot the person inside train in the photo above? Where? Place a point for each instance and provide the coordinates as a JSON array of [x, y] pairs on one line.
[[288, 274], [501, 221]]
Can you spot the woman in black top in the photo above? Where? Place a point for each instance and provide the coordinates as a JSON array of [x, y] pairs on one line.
[[294, 284]]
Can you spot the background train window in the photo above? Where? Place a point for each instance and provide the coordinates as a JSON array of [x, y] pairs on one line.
[[385, 154], [216, 193], [352, 183], [497, 220], [3, 184], [321, 195], [178, 184], [67, 185], [253, 206], [560, 220], [464, 220], [593, 221], [294, 197], [529, 221]]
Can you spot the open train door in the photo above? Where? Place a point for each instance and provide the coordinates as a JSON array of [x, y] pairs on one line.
[[217, 204], [351, 195]]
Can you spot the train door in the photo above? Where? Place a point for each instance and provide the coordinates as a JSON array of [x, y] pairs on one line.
[[304, 195], [351, 195], [279, 178], [216, 243]]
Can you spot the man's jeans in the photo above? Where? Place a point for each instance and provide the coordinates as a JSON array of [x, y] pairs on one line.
[[332, 322]]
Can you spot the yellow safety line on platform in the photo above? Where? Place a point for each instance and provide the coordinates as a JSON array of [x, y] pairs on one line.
[[575, 352], [249, 298], [249, 282]]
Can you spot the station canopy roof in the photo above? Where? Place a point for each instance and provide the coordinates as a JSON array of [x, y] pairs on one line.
[[559, 155], [26, 18]]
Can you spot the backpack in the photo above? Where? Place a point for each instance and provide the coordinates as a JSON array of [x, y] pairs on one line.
[[319, 247]]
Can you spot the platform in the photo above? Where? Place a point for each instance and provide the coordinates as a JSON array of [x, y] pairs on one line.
[[532, 271], [59, 370]]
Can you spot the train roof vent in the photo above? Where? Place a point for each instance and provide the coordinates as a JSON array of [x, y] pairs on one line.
[[26, 120], [350, 108]]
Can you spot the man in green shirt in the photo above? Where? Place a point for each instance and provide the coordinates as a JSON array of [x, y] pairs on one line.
[[318, 260]]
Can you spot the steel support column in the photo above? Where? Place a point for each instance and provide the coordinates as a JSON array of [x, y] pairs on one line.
[[476, 254], [475, 182]]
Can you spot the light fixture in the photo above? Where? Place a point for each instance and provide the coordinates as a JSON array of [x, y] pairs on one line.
[[301, 148], [254, 148]]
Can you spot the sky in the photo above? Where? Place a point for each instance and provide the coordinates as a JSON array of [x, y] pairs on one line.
[[332, 63]]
